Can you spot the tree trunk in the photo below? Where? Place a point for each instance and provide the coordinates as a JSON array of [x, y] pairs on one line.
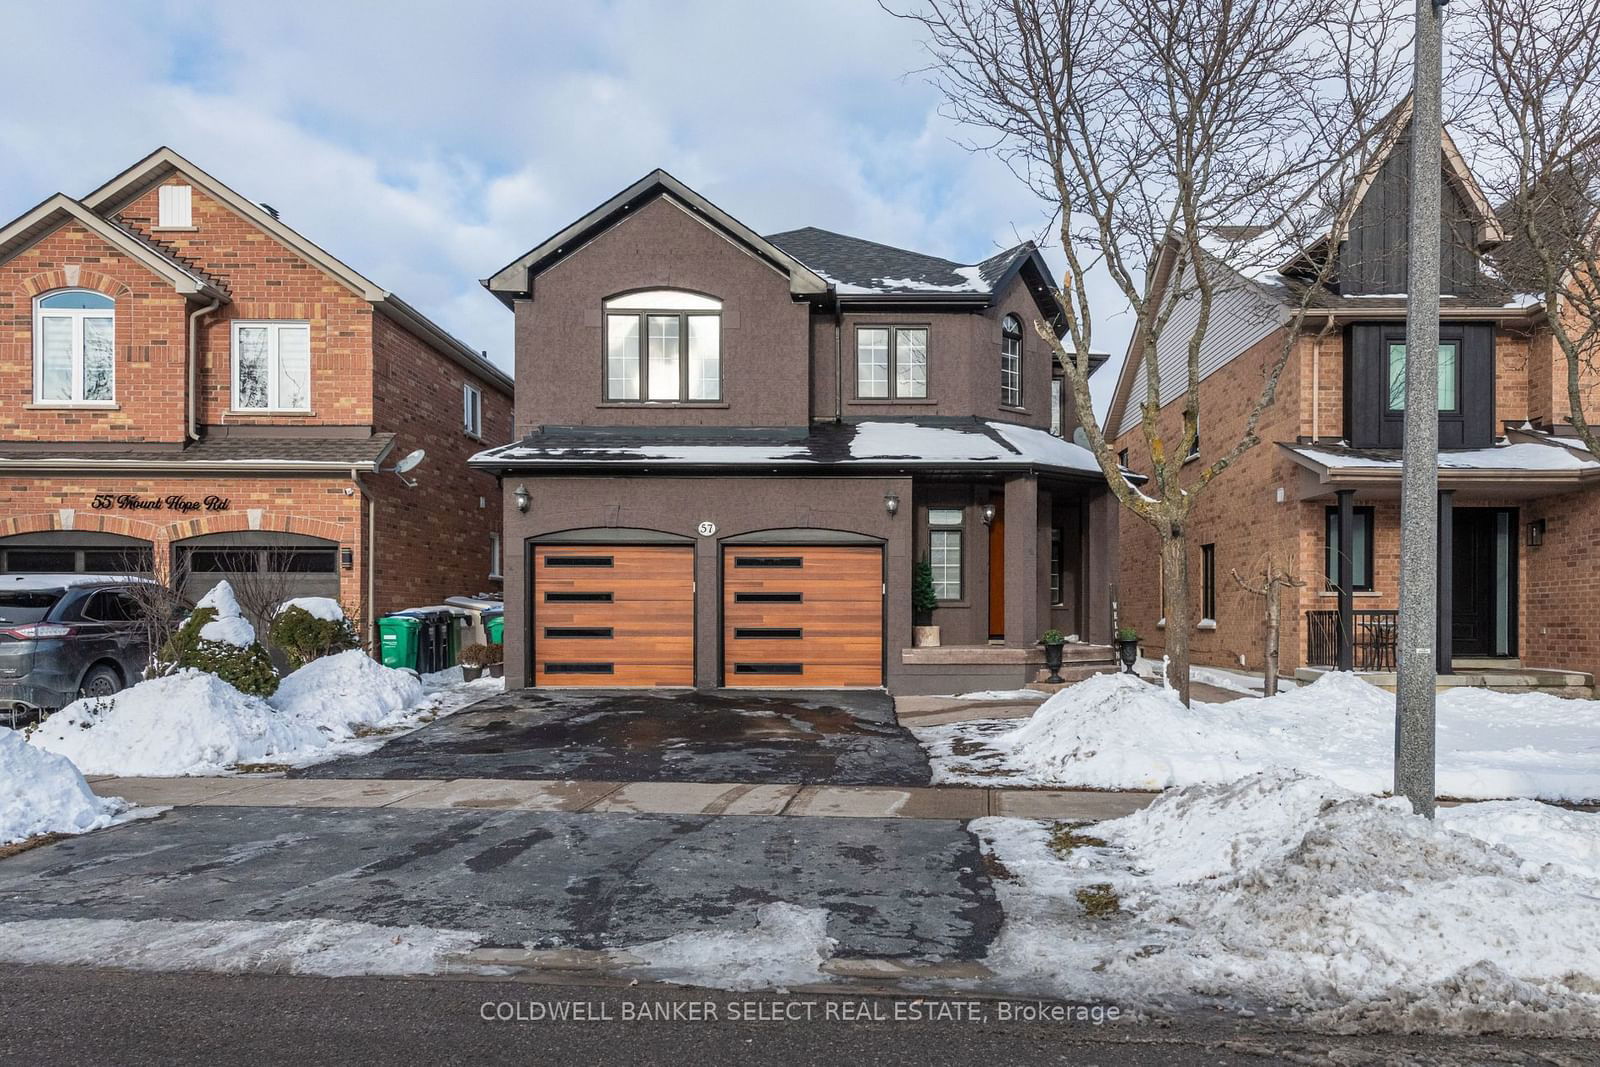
[[1175, 584], [1274, 619]]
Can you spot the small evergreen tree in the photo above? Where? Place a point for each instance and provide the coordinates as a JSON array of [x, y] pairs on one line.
[[924, 598], [247, 668], [302, 637]]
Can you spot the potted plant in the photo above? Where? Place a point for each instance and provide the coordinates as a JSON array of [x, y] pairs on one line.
[[497, 660], [923, 600], [473, 659], [1052, 640], [1127, 647]]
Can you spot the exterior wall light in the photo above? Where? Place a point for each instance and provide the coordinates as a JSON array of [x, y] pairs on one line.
[[521, 497], [1535, 533], [987, 513], [891, 503]]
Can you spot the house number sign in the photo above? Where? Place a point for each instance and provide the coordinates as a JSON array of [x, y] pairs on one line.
[[708, 529], [175, 502]]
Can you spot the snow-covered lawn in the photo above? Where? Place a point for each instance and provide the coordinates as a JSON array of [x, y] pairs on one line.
[[1286, 892], [1116, 732], [193, 723], [42, 793]]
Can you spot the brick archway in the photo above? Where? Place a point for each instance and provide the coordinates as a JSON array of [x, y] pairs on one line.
[[253, 521], [81, 521], [62, 278]]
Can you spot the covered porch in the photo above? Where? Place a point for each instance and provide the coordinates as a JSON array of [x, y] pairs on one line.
[[1490, 518]]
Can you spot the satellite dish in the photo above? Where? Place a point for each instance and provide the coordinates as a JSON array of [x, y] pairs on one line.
[[410, 462]]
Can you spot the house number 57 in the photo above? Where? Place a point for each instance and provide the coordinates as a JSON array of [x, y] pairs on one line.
[[708, 529]]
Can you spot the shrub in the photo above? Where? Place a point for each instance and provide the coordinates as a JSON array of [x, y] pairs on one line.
[[302, 637], [1053, 637], [475, 656], [247, 668], [924, 598], [497, 652]]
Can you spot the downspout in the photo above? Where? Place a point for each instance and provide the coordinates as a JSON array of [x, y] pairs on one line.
[[838, 360], [1316, 384], [371, 559], [194, 325]]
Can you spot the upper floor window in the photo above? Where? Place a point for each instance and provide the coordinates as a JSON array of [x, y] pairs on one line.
[[1011, 362], [472, 410], [1448, 376], [173, 207], [74, 348], [897, 354], [663, 345], [1058, 406], [271, 366]]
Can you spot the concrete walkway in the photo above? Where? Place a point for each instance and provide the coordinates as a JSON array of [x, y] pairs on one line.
[[674, 798]]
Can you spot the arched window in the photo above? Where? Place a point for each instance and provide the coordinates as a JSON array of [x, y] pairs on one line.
[[663, 345], [74, 348], [1011, 362]]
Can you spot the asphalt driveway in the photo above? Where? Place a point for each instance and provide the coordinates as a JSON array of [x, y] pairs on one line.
[[735, 736], [906, 888]]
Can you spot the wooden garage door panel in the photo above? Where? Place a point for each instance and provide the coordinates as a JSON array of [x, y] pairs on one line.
[[808, 616], [642, 595]]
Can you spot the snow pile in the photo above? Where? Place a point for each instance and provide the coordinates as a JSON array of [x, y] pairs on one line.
[[189, 722], [325, 608], [43, 793], [788, 947], [230, 626], [1113, 731], [1283, 890], [346, 690], [1542, 834], [324, 947]]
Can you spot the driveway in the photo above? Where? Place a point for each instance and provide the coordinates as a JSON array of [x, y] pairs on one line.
[[897, 888], [735, 736]]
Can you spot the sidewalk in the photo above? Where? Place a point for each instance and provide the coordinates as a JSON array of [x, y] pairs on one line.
[[675, 798]]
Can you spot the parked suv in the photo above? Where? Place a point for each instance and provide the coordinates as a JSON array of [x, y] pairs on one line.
[[63, 636]]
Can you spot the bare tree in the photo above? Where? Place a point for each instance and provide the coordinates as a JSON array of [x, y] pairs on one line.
[[1268, 583], [1189, 148], [1528, 102], [159, 607]]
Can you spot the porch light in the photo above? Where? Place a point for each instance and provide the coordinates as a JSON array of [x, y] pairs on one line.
[[987, 513], [891, 503], [1535, 533], [521, 497]]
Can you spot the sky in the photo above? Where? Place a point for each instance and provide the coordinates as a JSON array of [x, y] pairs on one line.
[[428, 144]]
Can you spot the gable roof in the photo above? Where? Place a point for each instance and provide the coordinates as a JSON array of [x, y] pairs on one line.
[[132, 183], [32, 226], [860, 268], [515, 278]]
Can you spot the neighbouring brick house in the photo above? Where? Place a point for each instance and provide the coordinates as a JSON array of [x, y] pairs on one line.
[[742, 445], [185, 378], [1519, 537]]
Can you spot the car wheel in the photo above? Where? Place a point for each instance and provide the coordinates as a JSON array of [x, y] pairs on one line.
[[101, 682]]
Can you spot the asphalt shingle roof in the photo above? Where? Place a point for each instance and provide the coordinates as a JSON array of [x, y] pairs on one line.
[[866, 267], [289, 451]]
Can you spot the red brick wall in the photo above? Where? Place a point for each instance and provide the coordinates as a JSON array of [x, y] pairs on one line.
[[268, 281], [437, 535], [150, 343]]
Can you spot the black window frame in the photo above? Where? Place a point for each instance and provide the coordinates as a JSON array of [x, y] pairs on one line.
[[1365, 515], [1208, 582], [1011, 331], [644, 315], [892, 386]]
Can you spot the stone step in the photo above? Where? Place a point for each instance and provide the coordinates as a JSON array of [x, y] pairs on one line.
[[1071, 675], [1002, 655]]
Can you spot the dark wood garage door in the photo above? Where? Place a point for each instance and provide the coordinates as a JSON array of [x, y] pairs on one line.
[[613, 615], [800, 617]]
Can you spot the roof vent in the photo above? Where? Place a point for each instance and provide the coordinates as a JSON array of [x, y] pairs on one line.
[[269, 209]]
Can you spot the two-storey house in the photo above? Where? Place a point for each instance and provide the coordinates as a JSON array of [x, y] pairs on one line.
[[187, 381], [1320, 495], [733, 449]]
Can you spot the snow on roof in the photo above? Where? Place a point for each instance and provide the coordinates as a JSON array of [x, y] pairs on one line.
[[1521, 456], [856, 267]]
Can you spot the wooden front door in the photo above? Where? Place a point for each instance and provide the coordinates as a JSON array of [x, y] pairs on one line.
[[997, 577], [613, 615], [802, 617]]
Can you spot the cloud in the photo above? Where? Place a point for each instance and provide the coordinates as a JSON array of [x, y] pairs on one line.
[[429, 144]]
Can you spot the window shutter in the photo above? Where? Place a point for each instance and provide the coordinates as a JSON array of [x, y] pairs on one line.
[[174, 204]]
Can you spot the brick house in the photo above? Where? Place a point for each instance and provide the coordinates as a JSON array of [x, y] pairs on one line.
[[742, 445], [1517, 500], [186, 378]]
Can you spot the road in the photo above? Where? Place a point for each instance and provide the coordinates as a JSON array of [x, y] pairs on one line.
[[76, 1016]]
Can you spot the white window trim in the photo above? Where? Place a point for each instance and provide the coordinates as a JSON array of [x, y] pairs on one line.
[[1007, 334], [496, 564], [472, 410], [77, 315], [272, 326]]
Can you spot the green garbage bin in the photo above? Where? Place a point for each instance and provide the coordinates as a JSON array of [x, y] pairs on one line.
[[397, 640], [495, 627]]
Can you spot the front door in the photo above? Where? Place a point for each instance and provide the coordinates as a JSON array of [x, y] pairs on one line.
[[1484, 582], [997, 576]]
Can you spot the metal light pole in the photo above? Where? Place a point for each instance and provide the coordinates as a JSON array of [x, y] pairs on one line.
[[1419, 479]]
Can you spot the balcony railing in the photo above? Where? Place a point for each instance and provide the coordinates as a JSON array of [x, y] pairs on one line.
[[1372, 639]]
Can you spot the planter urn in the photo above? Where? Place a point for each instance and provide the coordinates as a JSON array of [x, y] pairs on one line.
[[471, 674], [1128, 652], [925, 636], [1052, 661], [497, 670]]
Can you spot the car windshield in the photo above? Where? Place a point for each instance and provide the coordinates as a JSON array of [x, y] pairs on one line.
[[26, 607]]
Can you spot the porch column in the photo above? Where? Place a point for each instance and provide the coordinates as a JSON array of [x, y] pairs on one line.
[[1022, 562], [1345, 660], [1443, 599]]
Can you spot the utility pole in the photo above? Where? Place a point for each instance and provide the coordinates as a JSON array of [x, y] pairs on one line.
[[1419, 479]]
